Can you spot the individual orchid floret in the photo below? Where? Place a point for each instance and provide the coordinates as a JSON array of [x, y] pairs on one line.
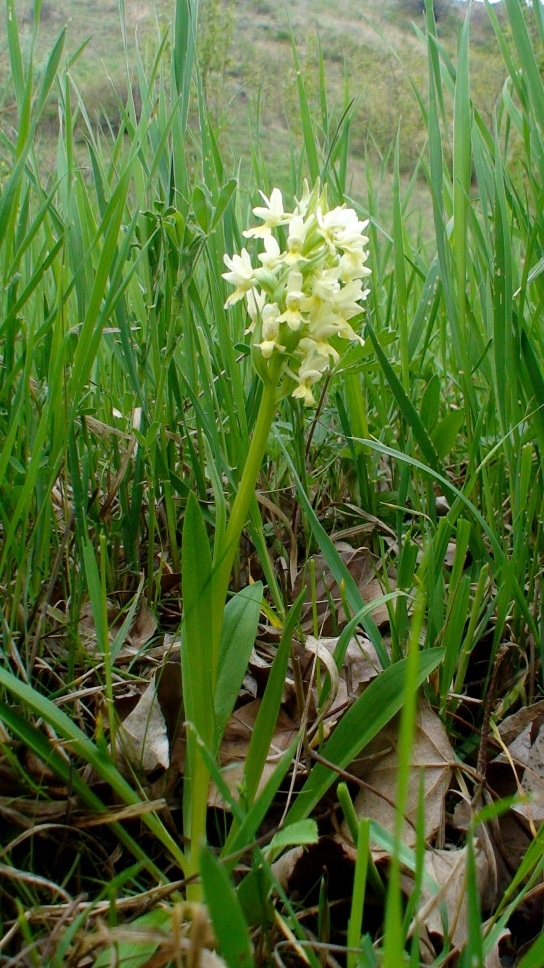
[[341, 229], [272, 215], [320, 347], [271, 257], [324, 324], [270, 331], [345, 301], [352, 266], [295, 299], [241, 275], [295, 239], [325, 284], [311, 369], [255, 301]]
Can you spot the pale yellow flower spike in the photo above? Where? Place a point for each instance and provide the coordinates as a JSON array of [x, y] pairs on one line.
[[301, 297]]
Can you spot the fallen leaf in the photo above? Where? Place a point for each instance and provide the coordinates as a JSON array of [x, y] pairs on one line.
[[360, 666], [431, 763], [361, 565], [143, 627], [525, 754], [87, 627], [513, 725], [143, 734], [284, 867], [493, 958], [447, 868], [233, 752]]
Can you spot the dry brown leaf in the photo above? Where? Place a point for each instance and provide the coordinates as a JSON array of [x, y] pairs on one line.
[[515, 840], [143, 735], [525, 754], [361, 565], [284, 867], [532, 781], [143, 627], [513, 725], [508, 842], [361, 665], [87, 627], [447, 868], [249, 686], [493, 958], [233, 752], [432, 758]]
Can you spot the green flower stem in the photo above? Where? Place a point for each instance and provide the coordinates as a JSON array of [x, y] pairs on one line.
[[224, 556], [226, 553], [200, 783]]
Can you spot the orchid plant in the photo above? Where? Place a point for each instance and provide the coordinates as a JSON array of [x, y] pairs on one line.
[[299, 301]]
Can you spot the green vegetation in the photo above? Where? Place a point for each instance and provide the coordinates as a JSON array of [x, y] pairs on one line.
[[185, 559], [247, 68]]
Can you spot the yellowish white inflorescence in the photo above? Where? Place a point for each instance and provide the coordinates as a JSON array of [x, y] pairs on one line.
[[301, 297]]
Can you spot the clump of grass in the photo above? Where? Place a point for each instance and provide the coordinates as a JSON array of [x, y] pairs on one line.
[[128, 404]]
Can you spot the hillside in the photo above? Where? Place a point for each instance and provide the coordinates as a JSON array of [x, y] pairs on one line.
[[370, 49], [371, 53]]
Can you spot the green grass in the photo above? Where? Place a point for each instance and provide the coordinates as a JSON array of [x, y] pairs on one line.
[[143, 472], [247, 71]]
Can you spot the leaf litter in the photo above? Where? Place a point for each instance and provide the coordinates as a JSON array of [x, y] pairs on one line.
[[151, 741], [442, 903]]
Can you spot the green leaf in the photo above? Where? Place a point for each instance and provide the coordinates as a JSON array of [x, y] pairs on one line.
[[430, 402], [225, 196], [445, 433], [254, 896], [136, 954], [380, 701], [340, 573], [50, 73], [226, 913], [295, 834], [240, 622], [197, 658], [201, 207], [15, 56], [462, 128], [267, 715], [94, 587], [534, 373], [241, 837], [306, 119]]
